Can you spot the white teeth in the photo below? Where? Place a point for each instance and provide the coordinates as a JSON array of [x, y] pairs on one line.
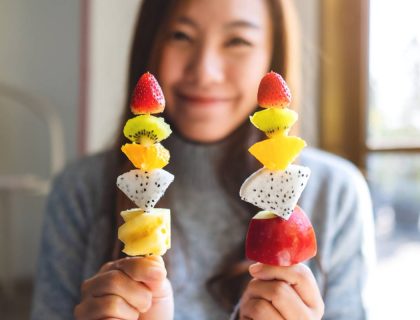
[[276, 191], [145, 188]]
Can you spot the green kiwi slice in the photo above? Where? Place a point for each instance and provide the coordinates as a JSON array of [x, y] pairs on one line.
[[146, 129], [274, 121]]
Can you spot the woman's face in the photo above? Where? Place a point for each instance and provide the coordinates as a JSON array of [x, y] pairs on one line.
[[213, 57]]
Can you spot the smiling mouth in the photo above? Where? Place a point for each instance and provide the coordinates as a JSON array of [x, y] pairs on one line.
[[202, 100]]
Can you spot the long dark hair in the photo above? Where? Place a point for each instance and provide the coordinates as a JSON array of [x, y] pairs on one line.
[[226, 286]]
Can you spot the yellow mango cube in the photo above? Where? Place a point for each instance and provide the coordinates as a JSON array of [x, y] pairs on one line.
[[146, 157], [278, 152]]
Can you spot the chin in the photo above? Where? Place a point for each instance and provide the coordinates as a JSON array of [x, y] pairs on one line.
[[204, 134]]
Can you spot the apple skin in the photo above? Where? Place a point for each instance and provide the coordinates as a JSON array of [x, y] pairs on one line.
[[280, 242]]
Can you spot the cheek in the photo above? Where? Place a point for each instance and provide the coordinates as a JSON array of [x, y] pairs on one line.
[[250, 73], [167, 77], [170, 70], [165, 74], [248, 101]]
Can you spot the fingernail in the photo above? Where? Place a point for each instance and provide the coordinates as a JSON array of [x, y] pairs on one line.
[[256, 267]]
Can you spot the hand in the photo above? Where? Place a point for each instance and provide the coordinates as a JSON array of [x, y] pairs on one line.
[[128, 289], [276, 293]]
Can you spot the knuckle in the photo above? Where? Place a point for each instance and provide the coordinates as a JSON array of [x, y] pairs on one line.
[[164, 273], [317, 312], [280, 290], [252, 284], [114, 279], [122, 263], [302, 272], [244, 307], [77, 312], [113, 305], [84, 288], [148, 296], [106, 266], [259, 308], [146, 302], [126, 261]]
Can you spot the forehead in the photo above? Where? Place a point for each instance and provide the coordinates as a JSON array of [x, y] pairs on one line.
[[223, 12]]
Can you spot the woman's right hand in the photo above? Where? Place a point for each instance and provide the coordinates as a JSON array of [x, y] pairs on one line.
[[130, 288]]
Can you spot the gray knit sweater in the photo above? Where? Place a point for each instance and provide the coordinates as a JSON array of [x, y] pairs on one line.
[[77, 235]]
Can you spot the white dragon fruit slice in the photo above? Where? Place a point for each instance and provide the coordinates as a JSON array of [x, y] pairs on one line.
[[277, 191], [145, 188]]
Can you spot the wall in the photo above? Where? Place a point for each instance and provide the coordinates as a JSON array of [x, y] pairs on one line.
[[308, 12], [39, 43], [110, 32]]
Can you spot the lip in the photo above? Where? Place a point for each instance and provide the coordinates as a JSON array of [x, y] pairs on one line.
[[204, 100]]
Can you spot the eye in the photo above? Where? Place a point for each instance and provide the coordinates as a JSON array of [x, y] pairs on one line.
[[238, 42], [181, 36]]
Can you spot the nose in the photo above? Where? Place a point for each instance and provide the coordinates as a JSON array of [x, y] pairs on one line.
[[206, 66]]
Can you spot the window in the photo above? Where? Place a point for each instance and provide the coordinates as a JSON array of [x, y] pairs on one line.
[[370, 114], [393, 149], [394, 75]]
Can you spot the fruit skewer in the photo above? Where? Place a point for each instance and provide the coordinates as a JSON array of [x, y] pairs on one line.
[[281, 234], [146, 229]]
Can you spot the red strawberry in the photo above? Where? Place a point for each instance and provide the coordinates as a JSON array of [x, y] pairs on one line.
[[147, 96], [273, 91]]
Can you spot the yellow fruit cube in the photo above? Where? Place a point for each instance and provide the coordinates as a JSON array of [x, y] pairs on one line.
[[146, 233], [277, 153], [146, 157]]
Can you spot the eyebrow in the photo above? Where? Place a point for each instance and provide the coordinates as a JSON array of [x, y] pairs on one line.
[[187, 21], [242, 24], [230, 25]]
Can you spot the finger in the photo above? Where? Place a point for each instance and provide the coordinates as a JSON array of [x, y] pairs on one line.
[[116, 282], [282, 296], [149, 270], [109, 306], [152, 261], [298, 275], [259, 309]]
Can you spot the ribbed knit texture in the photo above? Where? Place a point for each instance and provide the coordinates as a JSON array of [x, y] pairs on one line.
[[77, 235], [210, 228]]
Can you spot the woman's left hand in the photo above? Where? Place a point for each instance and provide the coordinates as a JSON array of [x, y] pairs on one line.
[[281, 293]]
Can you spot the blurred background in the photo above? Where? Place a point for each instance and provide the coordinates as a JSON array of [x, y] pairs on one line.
[[63, 71]]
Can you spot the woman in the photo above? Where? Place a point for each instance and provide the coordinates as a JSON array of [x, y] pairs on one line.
[[209, 57]]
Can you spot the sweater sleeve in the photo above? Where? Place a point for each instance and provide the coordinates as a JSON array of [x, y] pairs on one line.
[[62, 251], [339, 200], [351, 255]]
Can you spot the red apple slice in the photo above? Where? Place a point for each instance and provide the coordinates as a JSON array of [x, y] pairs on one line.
[[275, 241]]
